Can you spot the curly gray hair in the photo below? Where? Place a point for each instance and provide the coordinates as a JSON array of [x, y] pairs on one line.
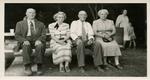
[[103, 10], [59, 13]]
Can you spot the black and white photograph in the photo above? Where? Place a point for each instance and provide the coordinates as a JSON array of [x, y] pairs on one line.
[[75, 39]]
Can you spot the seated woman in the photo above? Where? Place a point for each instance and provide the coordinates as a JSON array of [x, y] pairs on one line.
[[104, 31], [60, 42]]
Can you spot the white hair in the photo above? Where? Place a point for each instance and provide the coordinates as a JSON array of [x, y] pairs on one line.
[[103, 10], [59, 13], [82, 12], [29, 9]]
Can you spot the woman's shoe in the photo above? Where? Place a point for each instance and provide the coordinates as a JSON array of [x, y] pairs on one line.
[[118, 67], [99, 69], [67, 69]]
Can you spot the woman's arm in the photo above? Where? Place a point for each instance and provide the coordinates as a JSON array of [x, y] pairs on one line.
[[68, 34], [55, 39], [113, 29]]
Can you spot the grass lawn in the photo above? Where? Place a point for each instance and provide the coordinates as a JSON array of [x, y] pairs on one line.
[[134, 62]]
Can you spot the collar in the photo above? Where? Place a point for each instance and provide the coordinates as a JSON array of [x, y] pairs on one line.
[[81, 21], [124, 15], [30, 20], [103, 20]]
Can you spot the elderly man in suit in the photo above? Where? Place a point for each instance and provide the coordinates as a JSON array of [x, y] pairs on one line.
[[30, 33], [82, 33]]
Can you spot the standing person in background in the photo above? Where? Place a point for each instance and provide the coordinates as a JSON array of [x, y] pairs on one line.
[[30, 33], [60, 42], [123, 22], [82, 35], [132, 36]]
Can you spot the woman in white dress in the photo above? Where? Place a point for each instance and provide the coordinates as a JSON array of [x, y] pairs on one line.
[[60, 42], [123, 22], [104, 31]]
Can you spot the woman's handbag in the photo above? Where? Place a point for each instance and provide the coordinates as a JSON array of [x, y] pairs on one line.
[[107, 39]]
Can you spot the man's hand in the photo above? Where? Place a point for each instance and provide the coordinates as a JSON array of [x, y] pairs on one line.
[[38, 42], [26, 43], [78, 41]]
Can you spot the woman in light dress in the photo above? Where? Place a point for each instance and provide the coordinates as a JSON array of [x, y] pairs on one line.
[[123, 22], [132, 36], [104, 31], [60, 42]]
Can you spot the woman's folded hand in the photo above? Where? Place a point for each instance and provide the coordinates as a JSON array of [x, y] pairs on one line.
[[62, 42], [106, 36]]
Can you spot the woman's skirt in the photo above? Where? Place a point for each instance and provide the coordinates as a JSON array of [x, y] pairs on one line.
[[61, 53], [126, 34], [109, 48]]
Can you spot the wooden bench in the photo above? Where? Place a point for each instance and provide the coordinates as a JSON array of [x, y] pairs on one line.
[[118, 37]]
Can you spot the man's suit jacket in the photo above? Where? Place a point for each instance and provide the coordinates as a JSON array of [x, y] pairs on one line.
[[22, 30]]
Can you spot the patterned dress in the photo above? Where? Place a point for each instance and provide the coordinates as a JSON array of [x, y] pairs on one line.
[[61, 53], [102, 27]]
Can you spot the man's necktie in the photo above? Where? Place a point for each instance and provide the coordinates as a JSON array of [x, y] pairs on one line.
[[33, 32], [84, 38]]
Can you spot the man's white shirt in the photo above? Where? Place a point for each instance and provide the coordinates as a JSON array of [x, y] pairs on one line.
[[29, 27], [76, 29]]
